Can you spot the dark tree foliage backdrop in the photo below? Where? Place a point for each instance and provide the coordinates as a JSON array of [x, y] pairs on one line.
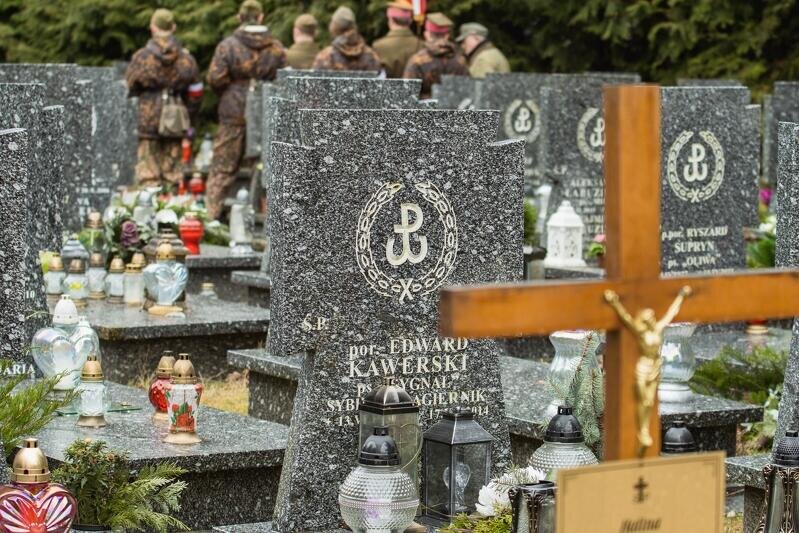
[[752, 40]]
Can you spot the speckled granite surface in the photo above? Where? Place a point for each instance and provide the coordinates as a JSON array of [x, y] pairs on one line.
[[747, 471], [259, 527], [713, 421], [237, 451], [257, 284], [214, 265]]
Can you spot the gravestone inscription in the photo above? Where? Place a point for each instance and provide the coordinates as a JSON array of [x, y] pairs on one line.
[[708, 143], [378, 210]]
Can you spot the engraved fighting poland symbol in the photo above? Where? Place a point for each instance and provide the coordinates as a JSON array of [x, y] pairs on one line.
[[692, 180], [521, 120], [591, 136], [412, 221]]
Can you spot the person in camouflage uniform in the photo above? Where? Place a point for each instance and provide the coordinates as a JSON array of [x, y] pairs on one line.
[[250, 53], [439, 56], [399, 44], [484, 58], [348, 50], [162, 65], [302, 53]]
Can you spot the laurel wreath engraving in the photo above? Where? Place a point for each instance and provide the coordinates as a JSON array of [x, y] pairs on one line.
[[445, 263], [510, 131], [588, 152], [695, 194]]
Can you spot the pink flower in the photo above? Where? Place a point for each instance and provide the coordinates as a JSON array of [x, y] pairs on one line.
[[128, 234], [765, 196], [600, 238]]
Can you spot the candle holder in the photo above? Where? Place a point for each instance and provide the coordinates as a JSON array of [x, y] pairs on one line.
[[183, 398], [115, 281], [96, 276], [159, 387], [92, 390]]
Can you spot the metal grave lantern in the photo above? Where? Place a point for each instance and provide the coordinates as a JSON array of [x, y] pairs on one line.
[[533, 507], [782, 474], [391, 406], [565, 238], [456, 464], [678, 439]]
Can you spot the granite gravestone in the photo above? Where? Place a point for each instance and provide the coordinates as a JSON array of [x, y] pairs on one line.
[[300, 73], [753, 140], [787, 255], [768, 156], [377, 210], [53, 132], [784, 108], [708, 82], [517, 95], [572, 142], [14, 171], [709, 144], [457, 92], [21, 106]]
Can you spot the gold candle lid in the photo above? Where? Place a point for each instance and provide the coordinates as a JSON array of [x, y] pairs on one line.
[[164, 252], [117, 265], [165, 365], [92, 371], [30, 464], [56, 263], [139, 260], [94, 220], [207, 285], [132, 268], [183, 371], [77, 266], [96, 260]]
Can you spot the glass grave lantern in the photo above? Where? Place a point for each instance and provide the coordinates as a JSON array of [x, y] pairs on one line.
[[678, 439], [165, 280], [241, 218], [564, 445], [391, 406], [115, 281], [96, 276], [159, 387], [533, 507], [133, 286], [781, 513], [679, 363], [456, 464], [92, 235], [570, 347], [76, 284], [92, 391], [565, 238], [378, 495], [183, 399], [31, 503], [73, 249], [54, 279]]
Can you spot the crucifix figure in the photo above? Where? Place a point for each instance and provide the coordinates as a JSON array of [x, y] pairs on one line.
[[649, 333], [632, 228]]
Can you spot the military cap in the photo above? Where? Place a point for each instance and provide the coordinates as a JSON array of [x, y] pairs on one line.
[[306, 22], [405, 5], [437, 23], [251, 8], [472, 28], [344, 14], [400, 9], [163, 19]]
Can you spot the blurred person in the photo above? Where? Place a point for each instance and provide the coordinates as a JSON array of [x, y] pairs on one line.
[[399, 44], [302, 53], [439, 56], [484, 58], [348, 51]]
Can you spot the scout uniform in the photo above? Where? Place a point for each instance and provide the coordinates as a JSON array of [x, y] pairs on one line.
[[439, 56], [250, 53], [485, 58], [301, 55], [348, 50], [399, 44]]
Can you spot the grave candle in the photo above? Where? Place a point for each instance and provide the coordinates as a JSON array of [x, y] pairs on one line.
[[114, 281], [183, 399], [782, 511], [564, 445], [96, 276], [54, 279], [533, 507], [76, 284], [92, 395], [565, 238], [159, 387], [133, 286]]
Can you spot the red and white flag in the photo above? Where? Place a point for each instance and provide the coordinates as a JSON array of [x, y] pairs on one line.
[[419, 8]]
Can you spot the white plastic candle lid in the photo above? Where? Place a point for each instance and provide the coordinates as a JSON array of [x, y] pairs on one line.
[[65, 312]]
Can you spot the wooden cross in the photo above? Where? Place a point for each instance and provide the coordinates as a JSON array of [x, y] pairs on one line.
[[632, 227]]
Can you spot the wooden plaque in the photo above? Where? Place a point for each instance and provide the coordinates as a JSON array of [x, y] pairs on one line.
[[683, 493]]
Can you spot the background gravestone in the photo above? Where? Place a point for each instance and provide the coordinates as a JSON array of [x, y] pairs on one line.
[[708, 82], [21, 106], [300, 73], [457, 92], [386, 207], [14, 171], [572, 143], [784, 107], [708, 143], [54, 183], [787, 255], [753, 145]]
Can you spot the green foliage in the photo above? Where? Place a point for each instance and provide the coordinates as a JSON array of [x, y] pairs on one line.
[[586, 395], [760, 254], [479, 524], [530, 219], [595, 249], [742, 376], [26, 408], [109, 494]]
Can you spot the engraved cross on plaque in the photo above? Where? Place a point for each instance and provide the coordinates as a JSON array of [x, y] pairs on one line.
[[640, 489], [632, 226]]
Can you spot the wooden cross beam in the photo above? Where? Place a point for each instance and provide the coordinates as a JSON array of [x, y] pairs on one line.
[[632, 227]]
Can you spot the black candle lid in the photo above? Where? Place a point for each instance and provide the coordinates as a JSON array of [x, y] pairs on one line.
[[564, 427], [787, 451], [379, 449], [678, 439]]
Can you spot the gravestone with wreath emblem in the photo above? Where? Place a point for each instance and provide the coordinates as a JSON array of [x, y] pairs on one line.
[[457, 92], [378, 209], [572, 143], [708, 186]]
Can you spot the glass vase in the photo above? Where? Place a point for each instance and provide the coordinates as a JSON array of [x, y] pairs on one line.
[[570, 347], [679, 363]]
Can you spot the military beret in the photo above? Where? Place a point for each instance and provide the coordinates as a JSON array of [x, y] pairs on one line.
[[472, 28], [438, 23], [163, 19], [306, 21], [344, 14], [251, 8]]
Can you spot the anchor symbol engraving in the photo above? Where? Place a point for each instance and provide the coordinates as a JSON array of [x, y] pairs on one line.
[[405, 229], [523, 124], [695, 170], [597, 137]]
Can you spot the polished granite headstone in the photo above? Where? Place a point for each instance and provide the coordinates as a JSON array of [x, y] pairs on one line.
[[14, 172], [307, 73], [21, 106], [784, 107], [517, 96], [709, 143], [375, 212], [457, 92], [215, 264], [709, 82], [572, 142], [52, 224], [232, 474], [769, 146]]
